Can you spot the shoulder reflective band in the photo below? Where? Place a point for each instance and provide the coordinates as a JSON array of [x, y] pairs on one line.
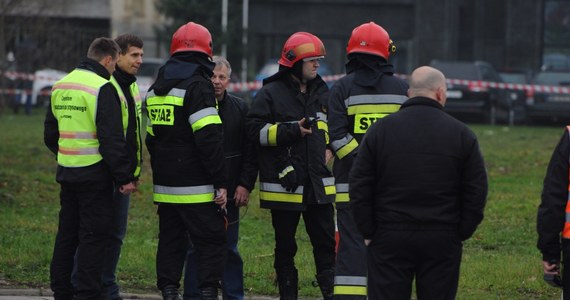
[[184, 194], [176, 93], [350, 285], [275, 192], [344, 146], [328, 183], [342, 192], [379, 103], [203, 118], [268, 135]]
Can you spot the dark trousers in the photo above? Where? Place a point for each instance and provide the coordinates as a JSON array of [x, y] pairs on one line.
[[84, 227], [350, 273], [395, 257], [232, 282], [565, 269], [204, 224], [319, 223]]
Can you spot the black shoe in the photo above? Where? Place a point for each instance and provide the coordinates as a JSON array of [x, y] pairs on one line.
[[170, 293]]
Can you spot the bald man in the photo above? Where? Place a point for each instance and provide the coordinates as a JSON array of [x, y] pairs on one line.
[[418, 189]]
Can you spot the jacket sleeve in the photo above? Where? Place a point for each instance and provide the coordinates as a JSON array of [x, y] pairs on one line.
[[208, 132], [362, 183], [473, 189], [262, 127], [341, 141], [112, 144], [551, 211], [51, 132], [249, 165]]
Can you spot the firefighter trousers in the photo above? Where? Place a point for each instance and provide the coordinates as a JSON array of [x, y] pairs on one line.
[[350, 273], [319, 223], [204, 224]]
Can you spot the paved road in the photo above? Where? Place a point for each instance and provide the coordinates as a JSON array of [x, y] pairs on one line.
[[43, 294]]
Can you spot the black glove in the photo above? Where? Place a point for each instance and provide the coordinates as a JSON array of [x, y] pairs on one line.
[[288, 178]]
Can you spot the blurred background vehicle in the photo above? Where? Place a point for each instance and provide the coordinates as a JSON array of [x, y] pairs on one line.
[[517, 81], [43, 82], [550, 102], [472, 98], [147, 73]]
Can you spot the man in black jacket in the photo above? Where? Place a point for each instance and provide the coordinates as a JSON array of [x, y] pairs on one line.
[[418, 189], [241, 165], [552, 224], [287, 121], [185, 143], [368, 92], [84, 128]]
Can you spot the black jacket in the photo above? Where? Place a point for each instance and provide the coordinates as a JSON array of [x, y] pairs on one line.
[[552, 209], [419, 169], [241, 162], [279, 102], [115, 164], [369, 82], [179, 156], [133, 137]]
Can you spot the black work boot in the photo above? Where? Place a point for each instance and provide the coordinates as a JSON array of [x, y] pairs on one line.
[[288, 283], [170, 292], [325, 280], [209, 293]]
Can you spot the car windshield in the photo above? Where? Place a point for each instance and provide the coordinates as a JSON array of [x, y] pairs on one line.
[[513, 77], [553, 78], [458, 70]]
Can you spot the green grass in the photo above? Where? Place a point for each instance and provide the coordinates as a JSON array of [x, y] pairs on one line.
[[500, 262]]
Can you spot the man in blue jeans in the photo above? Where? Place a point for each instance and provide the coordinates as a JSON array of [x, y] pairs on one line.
[[242, 172], [124, 81]]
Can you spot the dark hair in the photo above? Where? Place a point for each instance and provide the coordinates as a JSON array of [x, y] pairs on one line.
[[128, 40], [102, 47]]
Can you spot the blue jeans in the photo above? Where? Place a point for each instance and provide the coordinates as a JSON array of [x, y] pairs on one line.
[[113, 250], [232, 282]]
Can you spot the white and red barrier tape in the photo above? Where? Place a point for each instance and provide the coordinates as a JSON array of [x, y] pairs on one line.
[[256, 85]]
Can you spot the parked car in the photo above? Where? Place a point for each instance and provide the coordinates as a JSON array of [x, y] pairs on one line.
[[147, 73], [43, 82], [468, 96], [551, 98], [516, 82]]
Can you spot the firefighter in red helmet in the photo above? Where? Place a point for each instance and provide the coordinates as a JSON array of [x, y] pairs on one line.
[[288, 122], [367, 93], [184, 139]]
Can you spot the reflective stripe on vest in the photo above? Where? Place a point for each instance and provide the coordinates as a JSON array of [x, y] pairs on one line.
[[344, 146], [350, 285], [183, 194], [342, 192], [74, 105], [566, 231], [275, 192], [135, 93], [124, 104]]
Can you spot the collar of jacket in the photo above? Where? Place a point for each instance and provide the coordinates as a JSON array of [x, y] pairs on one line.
[[421, 101], [123, 78], [94, 66]]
